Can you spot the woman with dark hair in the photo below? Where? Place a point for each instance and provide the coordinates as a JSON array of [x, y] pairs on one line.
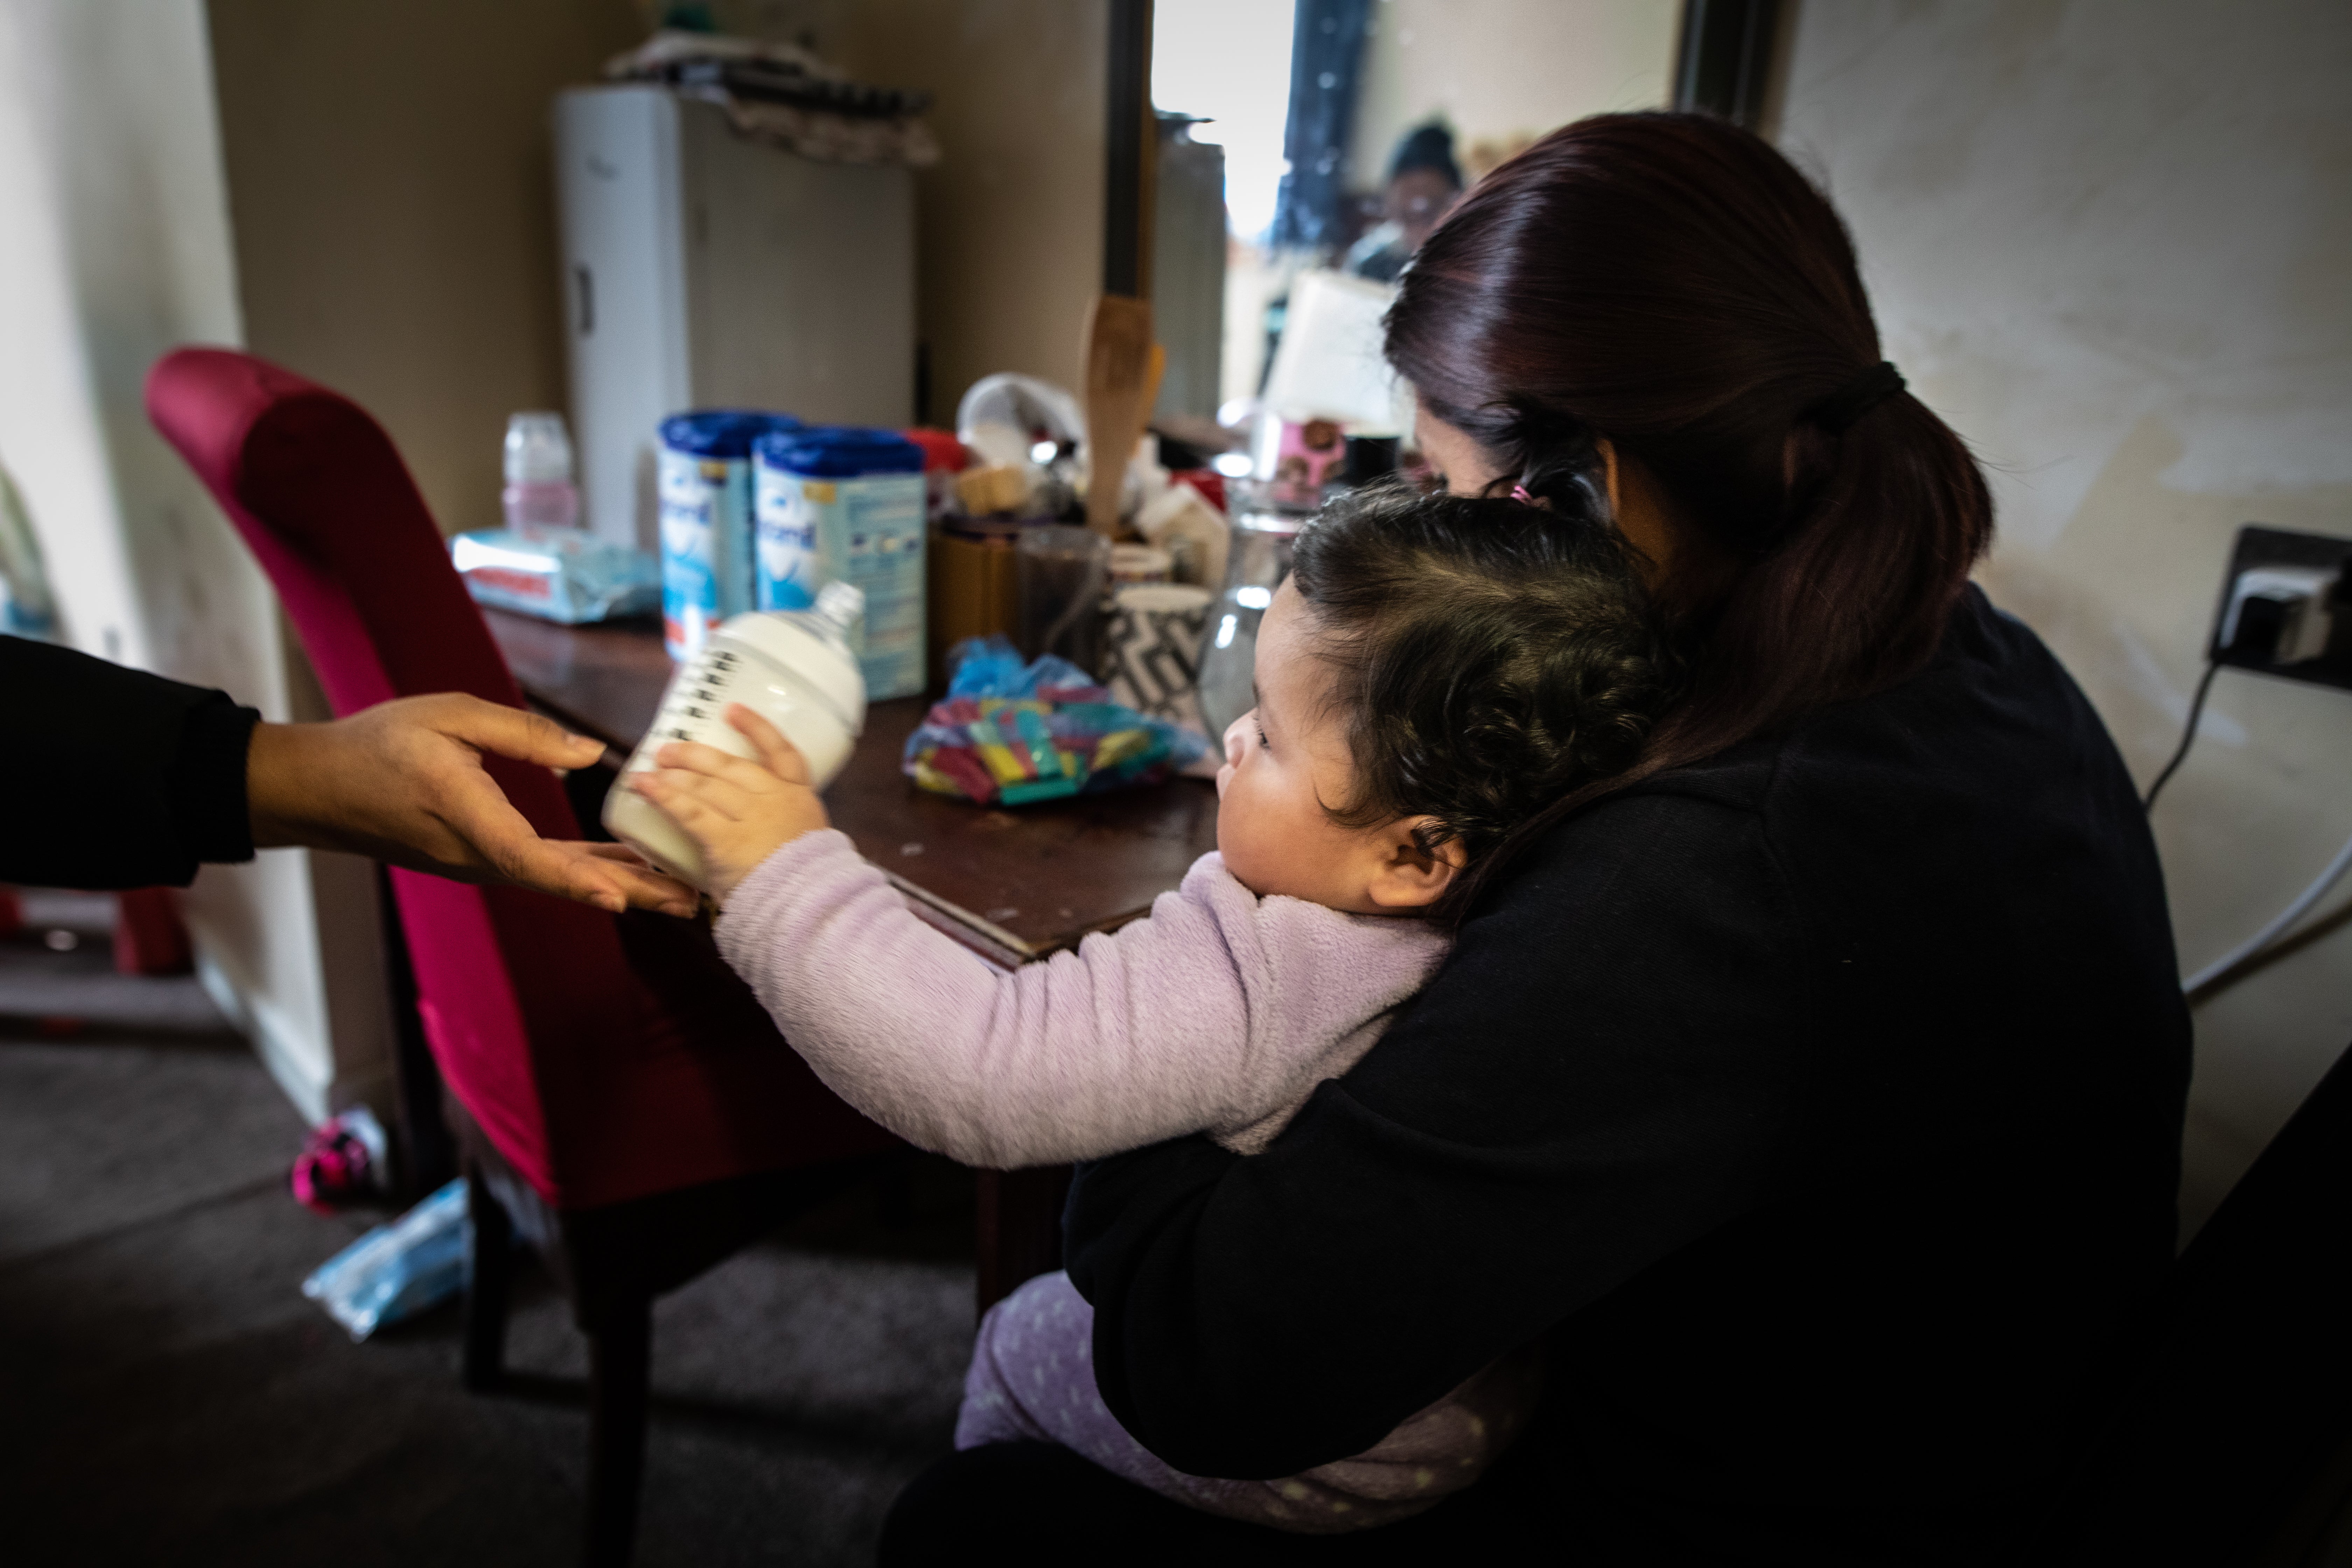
[[1811, 1089], [1423, 184]]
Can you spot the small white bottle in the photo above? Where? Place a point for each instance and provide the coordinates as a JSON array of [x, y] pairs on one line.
[[540, 493], [792, 668]]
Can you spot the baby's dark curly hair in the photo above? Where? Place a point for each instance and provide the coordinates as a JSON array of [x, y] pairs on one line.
[[1490, 658]]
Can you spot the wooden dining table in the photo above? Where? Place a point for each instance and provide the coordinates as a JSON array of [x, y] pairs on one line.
[[1013, 886]]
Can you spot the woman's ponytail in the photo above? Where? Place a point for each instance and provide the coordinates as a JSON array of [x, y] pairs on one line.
[[1672, 284]]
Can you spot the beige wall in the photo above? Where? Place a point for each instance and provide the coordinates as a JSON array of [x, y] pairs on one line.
[[389, 183], [53, 419], [390, 197], [2110, 241], [1505, 70], [1009, 226], [392, 194], [117, 249]]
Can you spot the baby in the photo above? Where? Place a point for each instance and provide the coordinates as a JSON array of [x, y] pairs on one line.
[[1436, 670]]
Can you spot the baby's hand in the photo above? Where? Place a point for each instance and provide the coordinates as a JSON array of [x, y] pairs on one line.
[[737, 812]]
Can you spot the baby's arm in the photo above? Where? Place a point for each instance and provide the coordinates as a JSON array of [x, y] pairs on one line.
[[1219, 1013], [1135, 1039]]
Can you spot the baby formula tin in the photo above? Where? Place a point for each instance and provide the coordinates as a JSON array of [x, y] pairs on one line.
[[844, 505], [705, 488], [796, 670]]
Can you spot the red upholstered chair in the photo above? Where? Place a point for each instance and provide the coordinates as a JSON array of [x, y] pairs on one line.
[[621, 1098]]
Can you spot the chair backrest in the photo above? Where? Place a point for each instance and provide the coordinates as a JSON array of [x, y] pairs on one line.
[[325, 503], [2242, 1409]]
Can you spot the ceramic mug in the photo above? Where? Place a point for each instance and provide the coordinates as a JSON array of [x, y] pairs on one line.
[[1150, 647]]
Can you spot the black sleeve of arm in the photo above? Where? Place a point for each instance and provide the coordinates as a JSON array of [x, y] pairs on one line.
[[115, 778], [1598, 1077]]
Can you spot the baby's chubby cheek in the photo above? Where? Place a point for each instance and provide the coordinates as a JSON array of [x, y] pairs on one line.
[[1234, 843]]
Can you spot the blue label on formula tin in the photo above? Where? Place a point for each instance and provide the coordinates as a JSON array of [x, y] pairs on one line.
[[689, 586], [880, 522], [786, 522], [843, 504], [706, 536], [704, 482], [868, 532]]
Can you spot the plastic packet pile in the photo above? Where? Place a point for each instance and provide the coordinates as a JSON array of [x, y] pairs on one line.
[[396, 1270], [562, 575], [1009, 733]]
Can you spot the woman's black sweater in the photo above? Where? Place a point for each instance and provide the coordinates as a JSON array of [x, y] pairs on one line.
[[113, 777], [1819, 1104]]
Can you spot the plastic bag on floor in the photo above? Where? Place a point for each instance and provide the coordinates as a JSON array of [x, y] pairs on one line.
[[397, 1270]]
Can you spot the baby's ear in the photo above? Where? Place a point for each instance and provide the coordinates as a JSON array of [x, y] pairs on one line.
[[1409, 876]]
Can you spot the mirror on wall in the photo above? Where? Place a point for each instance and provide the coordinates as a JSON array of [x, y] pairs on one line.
[[1342, 133]]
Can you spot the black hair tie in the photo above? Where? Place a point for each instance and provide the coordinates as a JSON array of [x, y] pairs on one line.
[[1857, 398]]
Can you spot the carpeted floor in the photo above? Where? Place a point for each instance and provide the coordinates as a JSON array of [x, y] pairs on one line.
[[167, 1395]]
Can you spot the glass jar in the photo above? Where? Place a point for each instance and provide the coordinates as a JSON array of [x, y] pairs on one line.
[[1267, 521], [1063, 570]]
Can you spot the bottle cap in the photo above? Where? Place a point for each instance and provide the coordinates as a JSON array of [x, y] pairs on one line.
[[840, 452], [721, 432], [539, 449]]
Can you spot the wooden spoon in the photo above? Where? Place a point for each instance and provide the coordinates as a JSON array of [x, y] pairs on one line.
[[1119, 353]]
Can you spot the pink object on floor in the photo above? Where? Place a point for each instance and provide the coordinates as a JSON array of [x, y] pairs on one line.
[[342, 1162]]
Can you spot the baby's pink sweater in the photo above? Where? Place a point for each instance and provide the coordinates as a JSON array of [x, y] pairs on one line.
[[1219, 1013]]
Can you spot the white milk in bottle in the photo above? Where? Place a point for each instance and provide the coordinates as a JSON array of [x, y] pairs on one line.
[[794, 668]]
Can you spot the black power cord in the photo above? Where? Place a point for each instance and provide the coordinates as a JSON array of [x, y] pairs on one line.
[[2188, 736]]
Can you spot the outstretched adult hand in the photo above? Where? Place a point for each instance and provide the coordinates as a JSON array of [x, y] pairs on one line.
[[403, 783]]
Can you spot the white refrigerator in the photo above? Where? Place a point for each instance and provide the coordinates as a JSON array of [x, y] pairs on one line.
[[702, 269]]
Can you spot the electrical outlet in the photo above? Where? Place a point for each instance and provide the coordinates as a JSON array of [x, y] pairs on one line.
[[2287, 607]]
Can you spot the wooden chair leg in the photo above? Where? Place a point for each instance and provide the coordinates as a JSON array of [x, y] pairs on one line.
[[620, 1351], [487, 1287]]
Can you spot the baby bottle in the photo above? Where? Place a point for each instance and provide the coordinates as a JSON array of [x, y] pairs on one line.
[[540, 493], [793, 667]]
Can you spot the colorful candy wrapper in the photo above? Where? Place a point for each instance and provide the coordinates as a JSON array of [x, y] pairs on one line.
[[1009, 733]]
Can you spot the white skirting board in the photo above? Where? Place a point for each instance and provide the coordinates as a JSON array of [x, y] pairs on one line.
[[291, 1060], [291, 950]]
